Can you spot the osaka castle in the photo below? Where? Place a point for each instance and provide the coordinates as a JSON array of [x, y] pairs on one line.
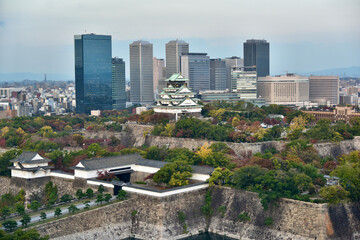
[[177, 98]]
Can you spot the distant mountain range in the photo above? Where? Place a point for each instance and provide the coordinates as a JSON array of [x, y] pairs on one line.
[[341, 72], [11, 77]]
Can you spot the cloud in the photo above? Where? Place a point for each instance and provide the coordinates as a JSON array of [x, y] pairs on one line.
[[2, 24]]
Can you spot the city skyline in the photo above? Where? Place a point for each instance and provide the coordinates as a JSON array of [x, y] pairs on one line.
[[316, 36]]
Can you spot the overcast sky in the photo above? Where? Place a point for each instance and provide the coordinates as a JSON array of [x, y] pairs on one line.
[[308, 35]]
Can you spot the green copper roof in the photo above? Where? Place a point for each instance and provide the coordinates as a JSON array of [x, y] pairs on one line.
[[176, 77]]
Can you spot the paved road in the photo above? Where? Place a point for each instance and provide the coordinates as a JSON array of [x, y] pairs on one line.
[[64, 210]]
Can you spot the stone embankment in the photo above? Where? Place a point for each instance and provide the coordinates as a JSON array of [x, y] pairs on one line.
[[146, 217], [136, 135]]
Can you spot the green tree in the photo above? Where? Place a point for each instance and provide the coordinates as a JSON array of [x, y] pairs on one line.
[[87, 205], [302, 181], [220, 176], [26, 219], [179, 179], [107, 197], [334, 194], [166, 172], [89, 193], [72, 209], [19, 234], [349, 175], [43, 216], [155, 153], [57, 212], [5, 161], [34, 205], [99, 198], [51, 193], [79, 194], [9, 225], [66, 198], [101, 188], [121, 195], [5, 212], [20, 209]]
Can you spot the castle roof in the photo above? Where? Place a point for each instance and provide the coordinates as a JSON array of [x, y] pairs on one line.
[[130, 159], [30, 157]]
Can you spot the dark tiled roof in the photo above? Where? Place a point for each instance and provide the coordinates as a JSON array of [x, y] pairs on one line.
[[109, 162], [136, 158], [26, 157]]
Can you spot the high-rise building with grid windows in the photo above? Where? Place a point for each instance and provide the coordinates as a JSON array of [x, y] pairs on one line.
[[141, 72], [118, 84], [93, 72], [256, 57], [174, 50]]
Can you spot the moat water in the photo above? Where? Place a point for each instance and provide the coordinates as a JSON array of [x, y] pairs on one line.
[[202, 236]]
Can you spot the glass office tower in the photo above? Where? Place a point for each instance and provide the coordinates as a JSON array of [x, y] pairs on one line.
[[196, 68], [93, 72], [118, 84], [256, 57]]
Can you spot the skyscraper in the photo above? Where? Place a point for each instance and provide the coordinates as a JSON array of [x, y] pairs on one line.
[[324, 89], [141, 72], [159, 75], [93, 72], [118, 84], [174, 50], [256, 56], [196, 68], [232, 62], [243, 83], [218, 74]]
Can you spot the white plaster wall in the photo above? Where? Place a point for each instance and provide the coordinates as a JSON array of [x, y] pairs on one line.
[[164, 194], [27, 175]]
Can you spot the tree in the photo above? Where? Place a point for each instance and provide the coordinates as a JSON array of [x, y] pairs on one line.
[[89, 193], [66, 198], [57, 212], [43, 216], [79, 194], [34, 205], [72, 209], [107, 197], [349, 174], [302, 181], [179, 179], [19, 234], [99, 198], [20, 209], [9, 225], [87, 205], [5, 161], [165, 173], [51, 193], [217, 114], [334, 194], [101, 188], [26, 219], [121, 195], [220, 176], [5, 212]]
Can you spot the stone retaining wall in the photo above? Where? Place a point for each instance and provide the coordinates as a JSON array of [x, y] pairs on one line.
[[146, 217]]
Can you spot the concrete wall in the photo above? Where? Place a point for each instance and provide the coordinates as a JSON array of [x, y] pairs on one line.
[[157, 218]]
